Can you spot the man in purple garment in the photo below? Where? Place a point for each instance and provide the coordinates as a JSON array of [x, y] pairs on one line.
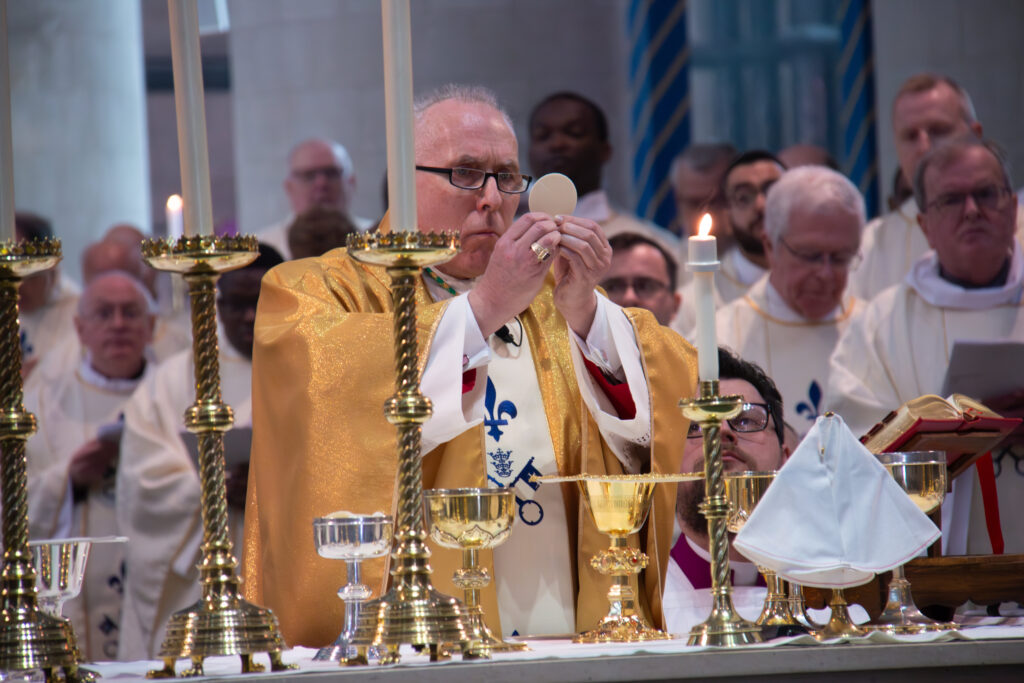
[[754, 440]]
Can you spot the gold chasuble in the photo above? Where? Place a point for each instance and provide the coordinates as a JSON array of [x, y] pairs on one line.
[[323, 367]]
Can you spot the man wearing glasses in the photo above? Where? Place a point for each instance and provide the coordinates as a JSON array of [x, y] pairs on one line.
[[751, 441], [790, 319], [529, 369], [968, 288], [320, 174], [642, 275], [745, 186]]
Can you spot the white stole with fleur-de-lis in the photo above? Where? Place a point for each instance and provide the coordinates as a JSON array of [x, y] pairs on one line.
[[533, 569]]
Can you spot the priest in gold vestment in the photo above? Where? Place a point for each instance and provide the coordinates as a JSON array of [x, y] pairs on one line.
[[601, 396]]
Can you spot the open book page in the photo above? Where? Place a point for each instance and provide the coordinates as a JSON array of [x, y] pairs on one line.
[[936, 411], [984, 369]]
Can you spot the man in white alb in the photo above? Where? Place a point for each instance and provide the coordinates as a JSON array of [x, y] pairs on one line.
[[927, 109], [790, 319], [968, 287], [73, 458]]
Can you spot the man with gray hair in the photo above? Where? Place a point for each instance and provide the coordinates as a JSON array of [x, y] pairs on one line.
[[790, 319], [320, 173], [927, 109], [967, 288], [529, 368], [72, 460]]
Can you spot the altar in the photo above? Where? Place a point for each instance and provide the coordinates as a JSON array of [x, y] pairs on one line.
[[992, 650]]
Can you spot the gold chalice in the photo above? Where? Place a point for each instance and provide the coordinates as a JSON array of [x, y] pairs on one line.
[[922, 474], [619, 505], [744, 490], [471, 520], [352, 538]]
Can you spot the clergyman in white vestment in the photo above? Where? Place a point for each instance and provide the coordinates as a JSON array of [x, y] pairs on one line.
[[72, 459], [790, 320], [970, 288]]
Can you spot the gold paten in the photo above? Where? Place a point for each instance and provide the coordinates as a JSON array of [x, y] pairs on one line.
[[724, 626], [619, 505], [412, 612], [30, 639], [471, 520], [221, 622]]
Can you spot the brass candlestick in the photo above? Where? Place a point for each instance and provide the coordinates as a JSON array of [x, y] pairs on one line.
[[30, 639], [724, 626], [221, 622], [412, 612]]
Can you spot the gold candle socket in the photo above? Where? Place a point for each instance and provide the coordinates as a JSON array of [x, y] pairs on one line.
[[221, 622], [724, 626], [412, 612], [30, 639]]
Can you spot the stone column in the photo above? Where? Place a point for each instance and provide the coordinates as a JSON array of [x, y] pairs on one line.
[[79, 122]]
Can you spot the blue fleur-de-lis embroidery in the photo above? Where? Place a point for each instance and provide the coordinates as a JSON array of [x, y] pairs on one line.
[[494, 415], [26, 345], [810, 409]]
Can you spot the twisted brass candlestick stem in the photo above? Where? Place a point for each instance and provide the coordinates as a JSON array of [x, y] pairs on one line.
[[724, 626], [412, 612], [221, 623], [29, 638]]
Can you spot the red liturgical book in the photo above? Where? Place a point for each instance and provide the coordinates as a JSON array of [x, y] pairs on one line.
[[959, 425]]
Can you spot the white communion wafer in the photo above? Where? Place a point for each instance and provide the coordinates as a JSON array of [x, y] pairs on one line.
[[553, 194]]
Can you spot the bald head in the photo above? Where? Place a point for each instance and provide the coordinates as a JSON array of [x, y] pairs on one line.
[[119, 255], [115, 324], [125, 233], [319, 174]]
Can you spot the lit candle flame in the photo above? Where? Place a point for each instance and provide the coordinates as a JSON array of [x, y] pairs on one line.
[[704, 229], [174, 202]]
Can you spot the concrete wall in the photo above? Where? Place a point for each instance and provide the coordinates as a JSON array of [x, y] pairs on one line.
[[977, 42], [315, 68]]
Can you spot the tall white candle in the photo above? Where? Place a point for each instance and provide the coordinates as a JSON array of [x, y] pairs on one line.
[[398, 114], [173, 213], [703, 262], [187, 67], [6, 153]]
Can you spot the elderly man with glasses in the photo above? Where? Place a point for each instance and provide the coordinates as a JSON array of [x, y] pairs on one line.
[[790, 319], [73, 460], [968, 287], [530, 371]]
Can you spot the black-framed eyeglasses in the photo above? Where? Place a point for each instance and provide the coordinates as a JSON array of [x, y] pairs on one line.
[[840, 260], [473, 178], [643, 287], [308, 175], [753, 417], [988, 198], [744, 196]]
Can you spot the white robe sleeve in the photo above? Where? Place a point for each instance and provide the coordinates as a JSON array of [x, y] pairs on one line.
[[458, 346], [611, 345]]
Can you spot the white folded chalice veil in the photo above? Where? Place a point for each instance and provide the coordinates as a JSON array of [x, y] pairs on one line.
[[834, 516]]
